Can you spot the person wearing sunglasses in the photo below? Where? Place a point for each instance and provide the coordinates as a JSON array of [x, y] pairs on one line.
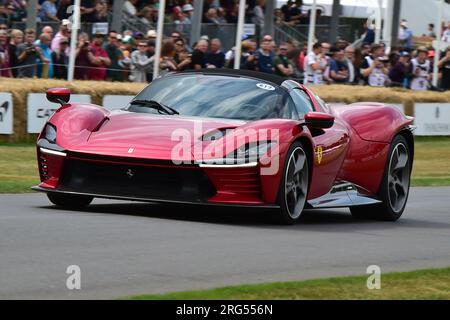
[[140, 63]]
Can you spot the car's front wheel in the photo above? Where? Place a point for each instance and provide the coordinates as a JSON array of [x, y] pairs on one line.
[[294, 184], [394, 189], [70, 201]]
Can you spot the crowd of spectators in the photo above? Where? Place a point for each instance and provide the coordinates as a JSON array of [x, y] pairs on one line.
[[177, 11], [55, 10]]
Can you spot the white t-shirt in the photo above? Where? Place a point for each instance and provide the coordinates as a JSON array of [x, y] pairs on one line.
[[420, 82], [313, 76], [377, 78], [446, 35]]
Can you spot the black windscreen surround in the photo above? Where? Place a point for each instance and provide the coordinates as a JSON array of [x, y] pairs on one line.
[[216, 96]]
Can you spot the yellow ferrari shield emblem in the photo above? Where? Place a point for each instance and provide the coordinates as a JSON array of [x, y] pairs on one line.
[[319, 153]]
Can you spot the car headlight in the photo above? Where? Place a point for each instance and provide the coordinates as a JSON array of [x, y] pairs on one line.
[[247, 155], [251, 151], [49, 133]]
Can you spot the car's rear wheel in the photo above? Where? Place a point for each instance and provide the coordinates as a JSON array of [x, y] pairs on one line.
[[394, 189], [70, 201], [294, 184]]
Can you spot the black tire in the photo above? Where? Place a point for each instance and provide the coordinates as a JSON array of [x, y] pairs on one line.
[[70, 201], [297, 183], [395, 182]]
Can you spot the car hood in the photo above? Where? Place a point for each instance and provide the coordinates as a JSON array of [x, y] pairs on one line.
[[141, 135]]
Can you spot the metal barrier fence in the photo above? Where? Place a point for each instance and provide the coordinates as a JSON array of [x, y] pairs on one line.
[[225, 32], [85, 27]]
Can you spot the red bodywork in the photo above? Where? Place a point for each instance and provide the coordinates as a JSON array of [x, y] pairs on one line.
[[354, 149]]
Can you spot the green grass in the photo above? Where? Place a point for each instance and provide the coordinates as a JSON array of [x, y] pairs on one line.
[[423, 284], [18, 168], [432, 162]]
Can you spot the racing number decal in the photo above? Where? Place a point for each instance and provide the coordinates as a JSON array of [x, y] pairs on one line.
[[319, 154]]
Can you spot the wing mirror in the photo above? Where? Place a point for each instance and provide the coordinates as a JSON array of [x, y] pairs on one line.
[[319, 120], [58, 95]]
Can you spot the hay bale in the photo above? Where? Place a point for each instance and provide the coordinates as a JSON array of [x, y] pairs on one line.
[[97, 89]]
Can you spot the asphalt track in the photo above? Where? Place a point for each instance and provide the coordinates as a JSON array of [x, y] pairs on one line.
[[132, 248]]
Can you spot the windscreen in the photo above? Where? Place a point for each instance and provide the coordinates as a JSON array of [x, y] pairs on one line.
[[216, 96]]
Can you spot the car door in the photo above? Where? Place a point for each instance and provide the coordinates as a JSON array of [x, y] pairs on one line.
[[330, 145]]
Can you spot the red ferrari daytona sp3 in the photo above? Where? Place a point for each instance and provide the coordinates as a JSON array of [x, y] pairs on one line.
[[229, 138]]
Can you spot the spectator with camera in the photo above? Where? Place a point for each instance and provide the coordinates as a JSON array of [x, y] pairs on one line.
[[375, 67], [84, 58], [420, 70], [28, 53]]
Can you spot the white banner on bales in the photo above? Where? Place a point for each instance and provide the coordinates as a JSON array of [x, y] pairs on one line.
[[40, 109], [6, 113], [432, 119]]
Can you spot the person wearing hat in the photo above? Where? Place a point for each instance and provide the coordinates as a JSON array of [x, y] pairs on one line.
[[405, 36], [151, 34], [127, 47], [181, 20], [64, 32], [420, 70], [188, 9], [60, 59]]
